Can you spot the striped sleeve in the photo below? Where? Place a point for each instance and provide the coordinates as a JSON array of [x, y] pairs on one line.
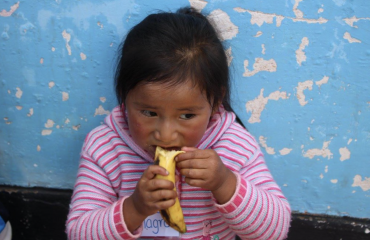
[[258, 208], [95, 209]]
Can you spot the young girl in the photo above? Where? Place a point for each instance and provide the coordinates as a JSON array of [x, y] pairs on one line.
[[172, 84]]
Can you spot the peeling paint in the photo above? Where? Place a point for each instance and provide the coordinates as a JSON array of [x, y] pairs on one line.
[[198, 4], [364, 184], [326, 169], [51, 84], [101, 111], [350, 39], [67, 38], [65, 96], [324, 80], [285, 151], [324, 152], [19, 107], [345, 154], [229, 56], [30, 113], [301, 87], [38, 148], [334, 181], [45, 132], [300, 54], [49, 123], [259, 65], [76, 127], [19, 93], [5, 13], [354, 19], [82, 56], [258, 34], [257, 105], [321, 176], [262, 141], [227, 30], [263, 49], [41, 60], [103, 99]]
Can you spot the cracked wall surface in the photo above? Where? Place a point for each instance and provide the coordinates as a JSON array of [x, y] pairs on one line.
[[301, 79]]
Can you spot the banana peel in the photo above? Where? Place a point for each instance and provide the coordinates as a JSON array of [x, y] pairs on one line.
[[173, 216]]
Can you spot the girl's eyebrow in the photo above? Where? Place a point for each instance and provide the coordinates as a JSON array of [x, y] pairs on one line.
[[193, 108], [144, 105]]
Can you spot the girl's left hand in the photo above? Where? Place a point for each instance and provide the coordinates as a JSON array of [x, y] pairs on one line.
[[204, 169]]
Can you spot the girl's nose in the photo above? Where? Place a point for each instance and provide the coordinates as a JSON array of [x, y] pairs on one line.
[[166, 132]]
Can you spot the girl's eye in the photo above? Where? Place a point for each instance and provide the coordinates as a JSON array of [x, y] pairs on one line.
[[148, 113], [187, 116]]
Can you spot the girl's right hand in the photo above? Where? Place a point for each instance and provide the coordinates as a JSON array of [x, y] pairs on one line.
[[151, 194]]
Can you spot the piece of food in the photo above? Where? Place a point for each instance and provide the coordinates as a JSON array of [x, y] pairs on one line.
[[173, 216]]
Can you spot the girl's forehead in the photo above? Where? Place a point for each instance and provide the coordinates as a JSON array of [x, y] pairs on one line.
[[162, 93]]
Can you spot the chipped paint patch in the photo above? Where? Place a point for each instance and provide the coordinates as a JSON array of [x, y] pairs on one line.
[[65, 96], [229, 56], [364, 184], [30, 113], [82, 56], [257, 105], [198, 4], [225, 27], [51, 84], [301, 87], [259, 18], [38, 148], [258, 34], [285, 151], [300, 54], [41, 60], [5, 13], [262, 141], [350, 39], [19, 107], [324, 152], [67, 38], [345, 154], [76, 127], [259, 65], [321, 176], [324, 80], [19, 93], [334, 181], [49, 123], [46, 132], [354, 19], [103, 99], [101, 111], [263, 48]]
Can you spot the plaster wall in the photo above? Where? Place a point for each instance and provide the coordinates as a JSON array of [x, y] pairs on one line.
[[301, 72]]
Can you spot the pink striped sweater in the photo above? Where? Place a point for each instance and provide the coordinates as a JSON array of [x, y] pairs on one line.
[[111, 164]]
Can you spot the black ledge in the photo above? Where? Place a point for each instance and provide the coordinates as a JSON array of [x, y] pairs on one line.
[[40, 214]]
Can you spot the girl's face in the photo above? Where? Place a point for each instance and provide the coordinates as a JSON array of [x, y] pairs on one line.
[[167, 116]]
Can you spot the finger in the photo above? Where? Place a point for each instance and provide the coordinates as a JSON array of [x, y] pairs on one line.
[[153, 170], [163, 194], [164, 204], [195, 182], [192, 164], [196, 154], [192, 173], [156, 184]]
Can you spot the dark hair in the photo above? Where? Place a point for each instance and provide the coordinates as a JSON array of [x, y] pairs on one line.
[[172, 48]]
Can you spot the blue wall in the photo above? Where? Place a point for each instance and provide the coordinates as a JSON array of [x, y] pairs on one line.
[[301, 73]]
